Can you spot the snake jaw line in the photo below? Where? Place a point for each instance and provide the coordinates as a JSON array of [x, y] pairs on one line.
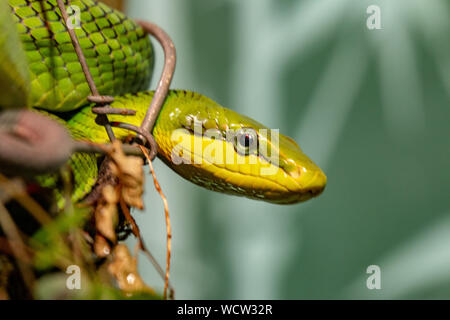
[[292, 178]]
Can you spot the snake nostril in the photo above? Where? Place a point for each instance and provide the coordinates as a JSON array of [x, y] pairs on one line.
[[295, 171]]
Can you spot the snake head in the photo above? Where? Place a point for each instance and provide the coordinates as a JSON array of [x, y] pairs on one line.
[[224, 151]]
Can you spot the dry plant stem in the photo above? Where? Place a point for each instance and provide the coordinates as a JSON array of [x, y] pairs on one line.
[[166, 77], [133, 223], [91, 147], [84, 66], [28, 203], [168, 226], [120, 111], [141, 132], [6, 247], [17, 246], [141, 242], [74, 233], [33, 208], [136, 250]]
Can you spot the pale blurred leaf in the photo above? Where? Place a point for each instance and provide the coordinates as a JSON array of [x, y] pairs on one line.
[[14, 76]]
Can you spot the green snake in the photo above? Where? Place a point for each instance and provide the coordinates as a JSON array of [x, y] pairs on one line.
[[120, 58]]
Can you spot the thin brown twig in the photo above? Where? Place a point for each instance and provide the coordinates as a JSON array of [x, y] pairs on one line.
[[120, 111], [141, 133], [17, 246], [168, 225], [78, 49], [84, 66], [6, 247], [170, 59], [92, 147], [141, 243], [35, 209]]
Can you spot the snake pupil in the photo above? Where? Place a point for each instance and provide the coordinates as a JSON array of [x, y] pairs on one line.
[[246, 139]]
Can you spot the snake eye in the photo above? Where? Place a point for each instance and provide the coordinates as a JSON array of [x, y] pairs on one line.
[[246, 141]]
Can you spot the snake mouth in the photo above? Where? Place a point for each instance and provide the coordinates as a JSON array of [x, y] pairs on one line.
[[293, 197], [314, 192], [311, 182]]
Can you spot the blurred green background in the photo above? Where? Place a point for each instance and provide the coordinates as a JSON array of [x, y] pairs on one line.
[[371, 107]]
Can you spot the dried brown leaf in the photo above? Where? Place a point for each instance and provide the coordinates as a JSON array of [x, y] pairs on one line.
[[101, 247], [129, 170], [124, 269], [106, 213]]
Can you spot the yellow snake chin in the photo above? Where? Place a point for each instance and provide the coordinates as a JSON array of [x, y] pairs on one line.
[[215, 165]]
